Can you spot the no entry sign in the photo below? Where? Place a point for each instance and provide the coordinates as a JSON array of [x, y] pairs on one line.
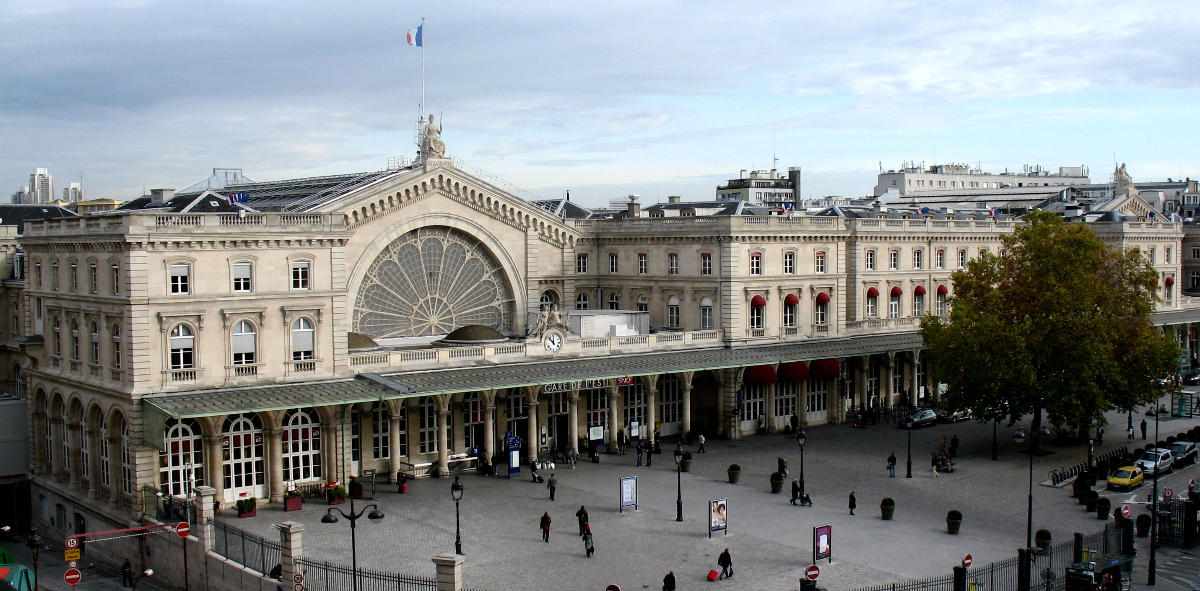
[[967, 561], [812, 572], [1168, 493], [72, 576], [182, 529], [1125, 511]]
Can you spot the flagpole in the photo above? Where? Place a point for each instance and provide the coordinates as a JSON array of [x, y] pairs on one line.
[[422, 30]]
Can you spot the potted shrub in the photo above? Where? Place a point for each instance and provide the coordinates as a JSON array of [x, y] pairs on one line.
[[953, 521], [335, 493], [1143, 525], [356, 488], [1090, 499], [776, 482], [1041, 539], [734, 472], [685, 464], [293, 501], [1103, 506], [247, 507], [887, 508]]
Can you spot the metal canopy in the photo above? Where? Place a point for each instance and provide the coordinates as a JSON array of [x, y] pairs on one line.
[[402, 384]]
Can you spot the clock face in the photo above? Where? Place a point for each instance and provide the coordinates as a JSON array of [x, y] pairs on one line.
[[553, 342]]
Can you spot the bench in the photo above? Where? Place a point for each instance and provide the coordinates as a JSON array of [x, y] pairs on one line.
[[454, 462]]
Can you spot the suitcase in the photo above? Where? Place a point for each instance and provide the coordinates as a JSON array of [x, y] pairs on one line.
[[712, 575]]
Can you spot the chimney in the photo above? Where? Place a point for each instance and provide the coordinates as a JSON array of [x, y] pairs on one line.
[[673, 198], [161, 196], [634, 209]]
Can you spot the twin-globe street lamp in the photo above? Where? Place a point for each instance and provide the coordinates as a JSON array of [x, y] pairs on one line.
[[1019, 437], [353, 516], [801, 439]]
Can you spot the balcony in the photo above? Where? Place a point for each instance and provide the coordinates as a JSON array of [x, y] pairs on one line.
[[181, 375]]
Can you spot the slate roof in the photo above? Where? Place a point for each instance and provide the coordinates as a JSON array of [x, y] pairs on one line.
[[13, 214]]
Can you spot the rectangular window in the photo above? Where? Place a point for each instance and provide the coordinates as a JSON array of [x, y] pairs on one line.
[[116, 280], [789, 263], [756, 264], [872, 304], [894, 307], [919, 304], [941, 304], [300, 278], [116, 347], [894, 260], [820, 312], [706, 263], [180, 275], [1167, 255], [819, 262], [381, 435], [74, 278], [242, 277], [706, 318], [962, 259], [37, 269], [939, 259], [612, 262], [581, 264], [1195, 255], [672, 264], [918, 258], [789, 315], [673, 316], [869, 260], [93, 279], [428, 427], [401, 419], [756, 316], [54, 277], [643, 263], [1152, 255]]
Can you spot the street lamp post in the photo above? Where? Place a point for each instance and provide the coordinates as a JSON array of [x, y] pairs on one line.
[[678, 483], [34, 543], [353, 516], [456, 492], [801, 439], [908, 464], [1151, 566], [1019, 437]]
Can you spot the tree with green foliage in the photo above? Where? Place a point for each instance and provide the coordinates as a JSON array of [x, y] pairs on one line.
[[1057, 322]]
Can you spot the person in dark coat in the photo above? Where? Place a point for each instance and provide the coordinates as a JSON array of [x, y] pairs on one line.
[[641, 451], [892, 464], [127, 574], [588, 547], [725, 561], [1143, 429], [795, 490], [621, 442], [552, 484], [853, 502], [582, 516], [954, 446], [545, 525], [669, 581]]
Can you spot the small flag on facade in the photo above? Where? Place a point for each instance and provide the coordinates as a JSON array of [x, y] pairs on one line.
[[238, 197], [413, 36]]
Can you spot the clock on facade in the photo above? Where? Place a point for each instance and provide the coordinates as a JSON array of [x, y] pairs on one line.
[[553, 341]]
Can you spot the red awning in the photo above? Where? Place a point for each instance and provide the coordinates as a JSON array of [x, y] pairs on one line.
[[822, 298], [793, 371], [759, 374], [872, 293], [824, 368], [896, 291], [920, 290], [791, 299], [942, 290], [758, 301], [1169, 281]]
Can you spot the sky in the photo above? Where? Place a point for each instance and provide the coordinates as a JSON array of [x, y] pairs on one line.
[[603, 99]]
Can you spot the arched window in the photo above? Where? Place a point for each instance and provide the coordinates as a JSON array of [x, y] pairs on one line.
[[673, 312], [126, 459], [94, 340], [245, 343], [301, 445], [706, 313], [581, 302], [85, 451], [105, 458], [548, 298], [242, 448], [614, 301], [302, 340], [757, 309], [182, 348], [181, 463], [789, 310]]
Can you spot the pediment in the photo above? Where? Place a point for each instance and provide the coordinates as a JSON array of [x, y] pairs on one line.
[[393, 193]]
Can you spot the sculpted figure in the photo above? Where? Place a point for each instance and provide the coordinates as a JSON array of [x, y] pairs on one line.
[[432, 145]]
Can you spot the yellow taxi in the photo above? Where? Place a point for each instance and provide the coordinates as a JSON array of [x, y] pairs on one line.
[[1125, 478]]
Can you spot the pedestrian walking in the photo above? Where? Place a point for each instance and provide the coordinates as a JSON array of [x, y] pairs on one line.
[[795, 422], [954, 446], [853, 502], [701, 438], [582, 516], [669, 581], [1143, 429], [620, 442], [588, 547], [126, 574], [552, 484], [545, 525], [725, 561], [641, 449], [795, 490], [892, 464], [933, 463]]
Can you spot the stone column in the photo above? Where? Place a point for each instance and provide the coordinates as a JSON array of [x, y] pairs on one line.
[[203, 530], [651, 408], [366, 438], [449, 572], [214, 461], [275, 476], [916, 384], [55, 451], [889, 392], [442, 404], [489, 423], [291, 538], [616, 413], [573, 419], [860, 380], [531, 398], [686, 410], [731, 383], [769, 406]]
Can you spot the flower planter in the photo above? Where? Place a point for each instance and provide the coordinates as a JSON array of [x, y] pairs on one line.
[[1042, 538], [333, 501], [293, 503], [1090, 501], [1103, 506], [776, 483], [356, 489], [734, 475], [953, 522], [685, 464], [887, 509]]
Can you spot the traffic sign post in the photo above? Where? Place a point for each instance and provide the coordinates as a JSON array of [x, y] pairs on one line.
[[72, 577], [1125, 511], [71, 554], [182, 529], [812, 572], [967, 561], [1168, 493]]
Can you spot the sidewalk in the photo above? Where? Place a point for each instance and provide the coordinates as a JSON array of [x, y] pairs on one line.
[[51, 568]]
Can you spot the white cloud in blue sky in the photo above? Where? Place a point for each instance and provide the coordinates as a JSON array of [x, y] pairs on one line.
[[601, 98]]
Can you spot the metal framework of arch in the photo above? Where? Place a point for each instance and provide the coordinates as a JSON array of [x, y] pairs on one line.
[[429, 282]]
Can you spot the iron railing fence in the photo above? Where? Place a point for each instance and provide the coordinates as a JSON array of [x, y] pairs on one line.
[[251, 551]]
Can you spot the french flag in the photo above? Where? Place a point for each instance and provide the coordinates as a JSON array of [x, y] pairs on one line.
[[413, 36]]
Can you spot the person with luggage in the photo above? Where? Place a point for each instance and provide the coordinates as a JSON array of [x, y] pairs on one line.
[[545, 525], [795, 490], [725, 561], [588, 547], [582, 516], [552, 484], [533, 472], [669, 581]]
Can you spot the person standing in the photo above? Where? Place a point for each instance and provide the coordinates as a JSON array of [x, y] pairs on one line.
[[795, 490], [669, 581], [795, 422], [892, 464], [701, 438], [933, 462], [545, 525], [588, 547], [1143, 429], [620, 442], [582, 516], [725, 561], [650, 449], [640, 450], [954, 446], [853, 502], [552, 484], [126, 574], [1130, 432], [1099, 435]]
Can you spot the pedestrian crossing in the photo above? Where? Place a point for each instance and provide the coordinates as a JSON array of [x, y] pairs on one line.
[[1177, 569]]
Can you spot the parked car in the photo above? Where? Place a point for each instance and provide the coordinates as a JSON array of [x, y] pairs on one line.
[[1125, 478], [919, 418], [1192, 379], [1155, 461], [1184, 452], [953, 416]]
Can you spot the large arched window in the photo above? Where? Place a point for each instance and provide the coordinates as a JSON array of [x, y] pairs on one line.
[[245, 343], [302, 340], [85, 451], [427, 419], [472, 408], [105, 458], [181, 463], [301, 445], [182, 348], [242, 448], [64, 433], [126, 459], [635, 409], [548, 298], [381, 436]]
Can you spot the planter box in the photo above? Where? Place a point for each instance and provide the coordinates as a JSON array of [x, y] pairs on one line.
[[952, 526], [336, 501], [734, 475], [886, 512], [776, 486], [247, 513], [685, 465], [293, 503]]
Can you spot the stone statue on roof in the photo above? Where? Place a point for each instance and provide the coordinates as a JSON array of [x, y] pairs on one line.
[[432, 145], [1124, 182]]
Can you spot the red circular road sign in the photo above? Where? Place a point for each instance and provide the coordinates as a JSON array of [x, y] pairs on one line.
[[1125, 511], [182, 529], [967, 561], [72, 576], [812, 572], [72, 542], [1168, 493]]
